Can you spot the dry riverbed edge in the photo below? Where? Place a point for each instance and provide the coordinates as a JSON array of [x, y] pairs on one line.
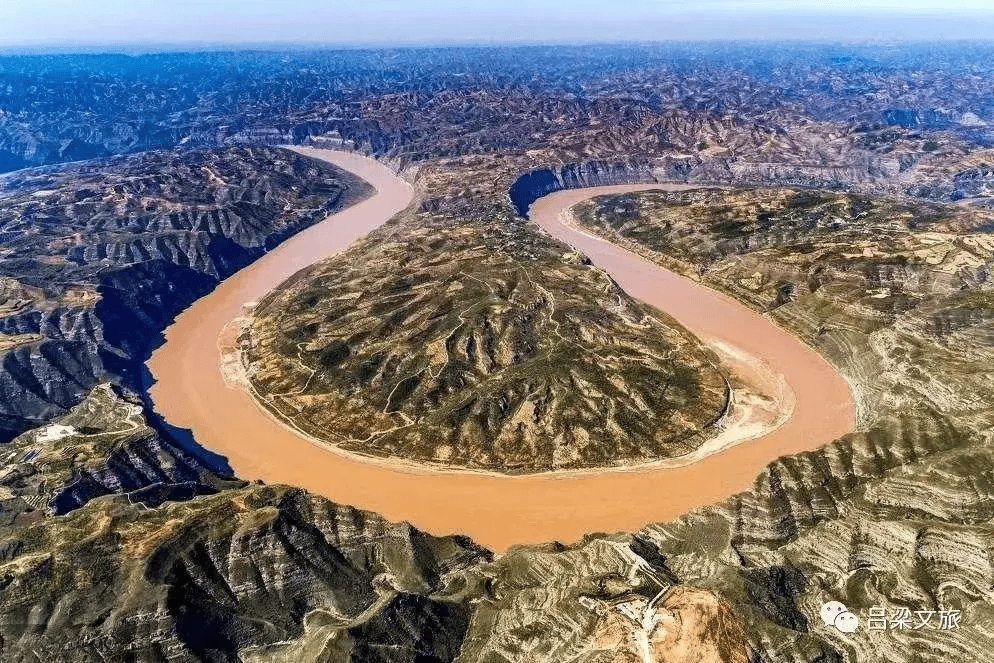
[[495, 510]]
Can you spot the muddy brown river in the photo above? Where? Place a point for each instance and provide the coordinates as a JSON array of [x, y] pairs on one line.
[[495, 510]]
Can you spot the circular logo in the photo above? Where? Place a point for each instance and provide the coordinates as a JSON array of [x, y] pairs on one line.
[[837, 614], [830, 611], [847, 622]]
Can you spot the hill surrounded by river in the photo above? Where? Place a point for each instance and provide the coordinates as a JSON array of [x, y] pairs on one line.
[[444, 348]]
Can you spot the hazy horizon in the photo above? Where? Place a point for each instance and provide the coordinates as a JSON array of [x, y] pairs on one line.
[[63, 25]]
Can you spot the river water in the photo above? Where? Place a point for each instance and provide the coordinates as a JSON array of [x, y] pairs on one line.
[[497, 511]]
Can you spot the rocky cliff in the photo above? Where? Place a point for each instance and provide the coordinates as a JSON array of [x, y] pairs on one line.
[[103, 446], [531, 186]]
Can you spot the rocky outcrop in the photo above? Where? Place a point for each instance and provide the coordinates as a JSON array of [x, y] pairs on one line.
[[531, 186]]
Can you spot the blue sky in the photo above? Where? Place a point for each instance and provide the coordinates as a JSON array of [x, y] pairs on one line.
[[136, 22]]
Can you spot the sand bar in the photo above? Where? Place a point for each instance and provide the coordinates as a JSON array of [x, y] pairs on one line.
[[495, 510]]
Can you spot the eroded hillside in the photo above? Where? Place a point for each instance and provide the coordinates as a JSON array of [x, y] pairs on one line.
[[894, 517], [444, 341], [97, 257], [121, 539]]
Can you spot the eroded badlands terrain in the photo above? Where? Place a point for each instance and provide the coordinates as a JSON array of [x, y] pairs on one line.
[[858, 217], [492, 349], [97, 257]]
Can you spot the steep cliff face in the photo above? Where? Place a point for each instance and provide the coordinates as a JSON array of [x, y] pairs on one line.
[[531, 186], [100, 256]]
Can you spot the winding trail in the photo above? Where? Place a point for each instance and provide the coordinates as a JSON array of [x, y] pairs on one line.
[[495, 510]]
